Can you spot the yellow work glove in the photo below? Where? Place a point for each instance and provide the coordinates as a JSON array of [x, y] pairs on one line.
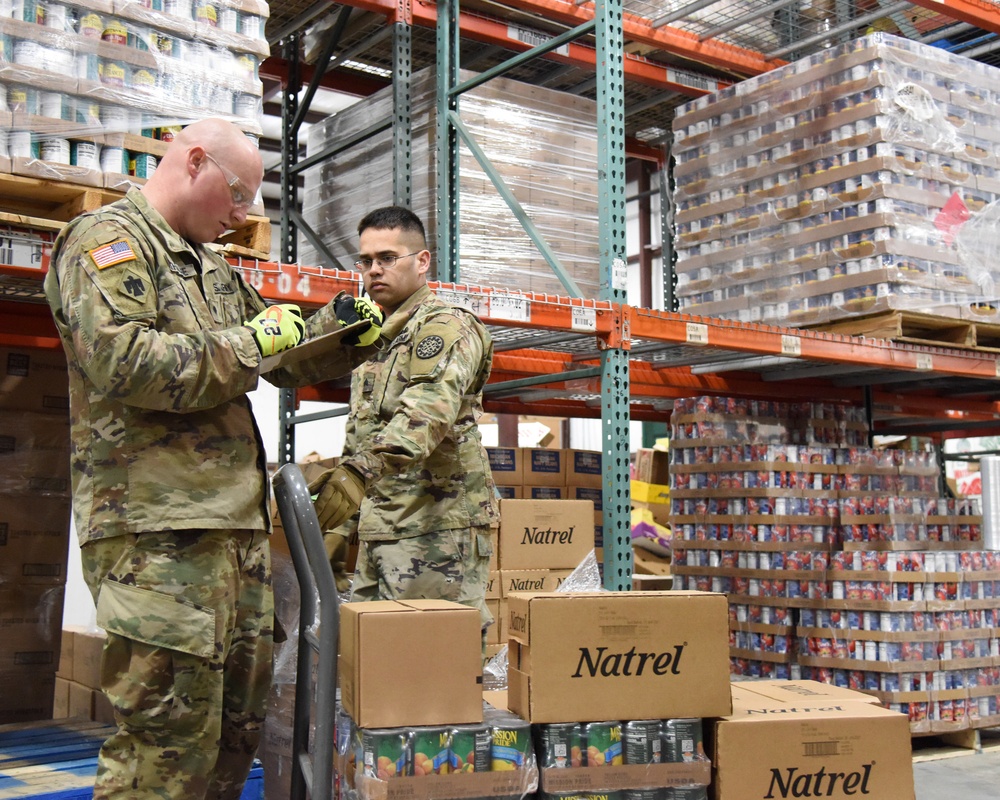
[[338, 493], [277, 328], [336, 553], [353, 309]]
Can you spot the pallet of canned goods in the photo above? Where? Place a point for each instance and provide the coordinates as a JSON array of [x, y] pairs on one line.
[[648, 759]]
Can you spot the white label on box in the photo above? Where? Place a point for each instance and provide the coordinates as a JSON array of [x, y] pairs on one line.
[[583, 319], [504, 306]]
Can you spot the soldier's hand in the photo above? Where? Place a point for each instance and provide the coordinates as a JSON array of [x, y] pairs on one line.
[[338, 492], [353, 309], [277, 328], [336, 553]]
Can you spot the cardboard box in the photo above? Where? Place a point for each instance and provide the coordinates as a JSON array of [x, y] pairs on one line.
[[543, 467], [807, 739], [649, 492], [506, 465], [34, 380], [546, 493], [441, 643], [26, 694], [88, 650], [60, 700], [30, 618], [631, 655], [545, 534], [531, 580], [583, 468], [34, 454], [493, 585], [34, 539], [652, 466]]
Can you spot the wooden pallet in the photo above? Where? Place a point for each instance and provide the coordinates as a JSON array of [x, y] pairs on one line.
[[47, 205], [923, 329]]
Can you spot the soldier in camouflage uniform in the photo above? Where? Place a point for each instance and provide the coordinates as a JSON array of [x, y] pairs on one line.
[[170, 488], [413, 457]]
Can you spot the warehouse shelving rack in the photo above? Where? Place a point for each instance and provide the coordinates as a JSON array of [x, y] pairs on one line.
[[648, 357]]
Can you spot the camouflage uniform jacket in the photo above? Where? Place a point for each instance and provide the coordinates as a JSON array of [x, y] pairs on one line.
[[163, 437], [413, 431]]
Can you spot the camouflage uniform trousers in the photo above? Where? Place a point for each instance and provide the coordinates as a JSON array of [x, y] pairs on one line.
[[187, 662], [443, 565]]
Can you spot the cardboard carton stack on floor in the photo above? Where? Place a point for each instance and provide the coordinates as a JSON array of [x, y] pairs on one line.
[[543, 144], [854, 181], [842, 563], [422, 731], [78, 681], [543, 473], [34, 527]]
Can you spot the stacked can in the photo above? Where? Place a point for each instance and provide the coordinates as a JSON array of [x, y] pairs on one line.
[[430, 751], [470, 748], [386, 753], [643, 744]]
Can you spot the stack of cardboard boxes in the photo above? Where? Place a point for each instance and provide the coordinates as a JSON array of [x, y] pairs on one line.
[[540, 473], [78, 681], [650, 498], [34, 527], [543, 143], [541, 542]]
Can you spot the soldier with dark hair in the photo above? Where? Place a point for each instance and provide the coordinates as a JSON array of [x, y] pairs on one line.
[[414, 461], [170, 488]]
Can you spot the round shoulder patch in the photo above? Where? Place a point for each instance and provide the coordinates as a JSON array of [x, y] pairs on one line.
[[429, 346]]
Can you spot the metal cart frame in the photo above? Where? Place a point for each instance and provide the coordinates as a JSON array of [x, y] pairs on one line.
[[319, 633]]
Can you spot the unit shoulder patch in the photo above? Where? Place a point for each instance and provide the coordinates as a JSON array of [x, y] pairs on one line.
[[432, 341], [107, 255]]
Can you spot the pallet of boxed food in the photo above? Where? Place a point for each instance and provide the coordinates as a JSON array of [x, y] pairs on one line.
[[859, 180], [541, 142]]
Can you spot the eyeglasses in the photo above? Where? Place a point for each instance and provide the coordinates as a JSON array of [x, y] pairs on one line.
[[242, 196], [385, 262]]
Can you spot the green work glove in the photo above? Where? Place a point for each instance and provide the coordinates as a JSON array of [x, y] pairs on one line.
[[336, 553], [353, 309], [277, 328], [338, 494]]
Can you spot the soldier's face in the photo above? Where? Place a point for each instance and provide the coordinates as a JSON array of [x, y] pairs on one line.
[[389, 286]]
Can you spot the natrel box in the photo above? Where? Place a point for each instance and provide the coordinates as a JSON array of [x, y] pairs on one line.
[[807, 739], [545, 534], [592, 656], [432, 690]]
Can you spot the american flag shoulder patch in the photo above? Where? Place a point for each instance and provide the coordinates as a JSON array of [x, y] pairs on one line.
[[114, 253]]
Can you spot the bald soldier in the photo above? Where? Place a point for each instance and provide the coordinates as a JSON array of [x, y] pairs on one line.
[[413, 458], [170, 489]]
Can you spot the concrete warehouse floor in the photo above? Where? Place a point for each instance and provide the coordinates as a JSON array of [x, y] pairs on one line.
[[950, 773]]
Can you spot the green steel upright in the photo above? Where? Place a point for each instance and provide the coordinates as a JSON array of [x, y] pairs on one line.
[[614, 287], [614, 368]]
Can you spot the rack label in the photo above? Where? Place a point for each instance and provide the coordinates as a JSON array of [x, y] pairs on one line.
[[790, 345], [925, 361], [585, 319], [473, 303], [505, 306], [619, 274], [697, 333], [20, 251]]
